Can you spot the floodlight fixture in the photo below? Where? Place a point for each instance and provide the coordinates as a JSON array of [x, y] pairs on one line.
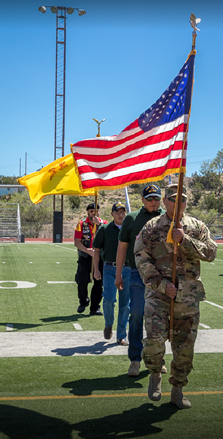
[[81, 12], [70, 10], [54, 9], [42, 9]]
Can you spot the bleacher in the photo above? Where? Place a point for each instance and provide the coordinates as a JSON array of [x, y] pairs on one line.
[[10, 224]]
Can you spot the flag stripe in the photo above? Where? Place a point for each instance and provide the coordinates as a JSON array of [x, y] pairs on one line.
[[135, 167], [146, 151], [112, 146]]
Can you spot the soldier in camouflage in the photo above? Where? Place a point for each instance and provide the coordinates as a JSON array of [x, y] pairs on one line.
[[154, 259]]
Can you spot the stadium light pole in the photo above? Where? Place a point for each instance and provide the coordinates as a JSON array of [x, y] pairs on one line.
[[60, 78]]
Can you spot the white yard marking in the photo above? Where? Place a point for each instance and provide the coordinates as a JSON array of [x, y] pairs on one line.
[[3, 262], [66, 248], [60, 282], [214, 304], [57, 262], [212, 263], [77, 327], [9, 327], [16, 284], [219, 260], [204, 326]]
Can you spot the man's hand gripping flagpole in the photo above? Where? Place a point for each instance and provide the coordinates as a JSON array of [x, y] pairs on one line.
[[176, 215]]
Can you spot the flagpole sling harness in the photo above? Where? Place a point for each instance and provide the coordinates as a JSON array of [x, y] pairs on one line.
[[177, 206]]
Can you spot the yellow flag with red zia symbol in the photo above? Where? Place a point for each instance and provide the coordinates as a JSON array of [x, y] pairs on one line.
[[57, 178]]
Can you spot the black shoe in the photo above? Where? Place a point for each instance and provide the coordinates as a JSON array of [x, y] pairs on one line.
[[96, 313], [80, 309]]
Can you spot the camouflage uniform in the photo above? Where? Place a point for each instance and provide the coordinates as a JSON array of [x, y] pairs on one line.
[[154, 258]]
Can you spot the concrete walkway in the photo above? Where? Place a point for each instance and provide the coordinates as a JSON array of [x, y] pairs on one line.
[[46, 344]]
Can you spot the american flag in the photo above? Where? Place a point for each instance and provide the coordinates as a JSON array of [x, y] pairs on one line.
[[148, 149]]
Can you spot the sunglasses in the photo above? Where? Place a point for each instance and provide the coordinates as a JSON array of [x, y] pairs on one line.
[[183, 199], [153, 198]]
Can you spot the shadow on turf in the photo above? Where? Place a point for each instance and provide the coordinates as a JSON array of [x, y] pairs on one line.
[[20, 326], [95, 349], [133, 423], [65, 319], [86, 386], [20, 423]]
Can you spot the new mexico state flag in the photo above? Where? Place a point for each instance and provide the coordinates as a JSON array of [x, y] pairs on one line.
[[57, 178]]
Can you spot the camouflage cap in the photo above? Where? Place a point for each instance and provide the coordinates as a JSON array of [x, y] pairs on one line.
[[171, 191], [151, 190], [117, 206]]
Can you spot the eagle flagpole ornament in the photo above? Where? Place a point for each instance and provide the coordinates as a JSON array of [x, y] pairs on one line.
[[176, 217], [98, 122]]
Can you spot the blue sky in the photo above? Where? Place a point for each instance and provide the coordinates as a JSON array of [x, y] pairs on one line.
[[120, 57]]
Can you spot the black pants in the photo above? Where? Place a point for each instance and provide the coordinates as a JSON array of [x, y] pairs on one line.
[[82, 278]]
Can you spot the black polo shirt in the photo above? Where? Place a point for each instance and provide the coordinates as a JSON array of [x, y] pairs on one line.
[[107, 240]]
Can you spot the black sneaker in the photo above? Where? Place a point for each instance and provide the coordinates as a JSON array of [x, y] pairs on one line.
[[96, 313], [80, 309]]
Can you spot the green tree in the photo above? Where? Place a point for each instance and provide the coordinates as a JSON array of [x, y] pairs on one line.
[[217, 163], [8, 180], [203, 215], [74, 201], [210, 202], [33, 216]]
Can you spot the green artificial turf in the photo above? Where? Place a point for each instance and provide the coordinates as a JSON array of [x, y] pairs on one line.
[[53, 307], [93, 397]]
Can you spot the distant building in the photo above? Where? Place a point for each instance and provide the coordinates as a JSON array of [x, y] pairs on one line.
[[9, 189]]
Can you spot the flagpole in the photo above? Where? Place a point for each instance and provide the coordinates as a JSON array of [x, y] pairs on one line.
[[127, 200], [98, 122], [193, 22]]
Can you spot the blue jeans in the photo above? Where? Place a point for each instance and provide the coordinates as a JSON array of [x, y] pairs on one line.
[[109, 299], [137, 301]]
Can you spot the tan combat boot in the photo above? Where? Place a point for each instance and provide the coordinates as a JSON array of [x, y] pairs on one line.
[[154, 390], [178, 399], [134, 369]]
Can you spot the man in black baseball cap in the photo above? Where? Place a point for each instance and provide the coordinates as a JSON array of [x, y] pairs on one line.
[[152, 190], [117, 206], [106, 242]]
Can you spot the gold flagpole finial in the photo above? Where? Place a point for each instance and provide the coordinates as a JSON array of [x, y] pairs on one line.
[[98, 122], [194, 21]]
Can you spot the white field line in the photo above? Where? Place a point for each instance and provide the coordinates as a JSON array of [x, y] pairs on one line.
[[214, 304], [204, 326], [219, 260], [65, 248], [60, 282]]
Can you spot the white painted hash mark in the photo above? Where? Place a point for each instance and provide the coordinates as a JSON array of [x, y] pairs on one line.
[[204, 326], [77, 326], [9, 327]]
